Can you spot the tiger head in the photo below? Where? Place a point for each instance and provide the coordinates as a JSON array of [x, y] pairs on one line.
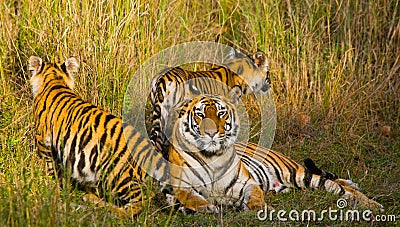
[[253, 69], [43, 72], [209, 123]]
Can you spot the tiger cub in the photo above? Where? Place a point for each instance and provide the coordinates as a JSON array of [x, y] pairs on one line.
[[93, 147], [173, 85], [276, 172], [204, 152], [203, 163]]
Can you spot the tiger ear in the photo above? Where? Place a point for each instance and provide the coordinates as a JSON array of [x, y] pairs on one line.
[[192, 88], [234, 95], [71, 65], [260, 60], [35, 64], [233, 54]]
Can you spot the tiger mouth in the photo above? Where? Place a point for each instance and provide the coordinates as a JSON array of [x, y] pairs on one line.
[[212, 152], [210, 146], [214, 147]]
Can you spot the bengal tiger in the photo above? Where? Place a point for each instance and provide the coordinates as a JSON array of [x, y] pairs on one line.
[[94, 148], [277, 172], [173, 85], [205, 164]]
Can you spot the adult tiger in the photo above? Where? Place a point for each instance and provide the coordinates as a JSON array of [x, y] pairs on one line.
[[205, 164], [173, 85], [277, 172], [91, 146]]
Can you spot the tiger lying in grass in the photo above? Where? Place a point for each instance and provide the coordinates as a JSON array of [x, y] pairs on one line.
[[204, 164], [91, 146], [208, 167]]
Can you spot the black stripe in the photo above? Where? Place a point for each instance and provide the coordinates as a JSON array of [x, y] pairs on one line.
[[72, 110], [93, 159], [113, 128], [307, 178], [147, 152], [233, 181], [117, 143], [62, 128], [321, 182], [45, 97], [64, 68], [125, 182], [108, 165], [83, 122], [81, 163], [197, 174], [87, 136], [97, 120], [241, 193], [258, 170], [72, 152]]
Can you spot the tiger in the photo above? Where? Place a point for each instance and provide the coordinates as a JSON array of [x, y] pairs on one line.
[[173, 85], [278, 173], [207, 162], [203, 163], [93, 148]]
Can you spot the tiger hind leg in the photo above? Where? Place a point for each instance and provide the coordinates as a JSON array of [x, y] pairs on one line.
[[313, 169], [349, 192]]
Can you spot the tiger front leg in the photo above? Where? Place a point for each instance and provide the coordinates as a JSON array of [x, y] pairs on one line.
[[255, 198], [194, 201], [44, 152]]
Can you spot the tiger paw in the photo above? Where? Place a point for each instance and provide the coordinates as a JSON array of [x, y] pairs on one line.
[[254, 205], [347, 183], [359, 199], [203, 209], [374, 206], [209, 209]]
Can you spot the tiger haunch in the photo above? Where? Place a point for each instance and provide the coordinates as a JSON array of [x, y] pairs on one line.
[[276, 172], [95, 148]]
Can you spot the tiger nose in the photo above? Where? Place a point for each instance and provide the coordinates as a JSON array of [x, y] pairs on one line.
[[211, 132], [208, 127]]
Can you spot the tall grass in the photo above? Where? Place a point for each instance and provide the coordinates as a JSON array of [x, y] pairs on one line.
[[335, 74]]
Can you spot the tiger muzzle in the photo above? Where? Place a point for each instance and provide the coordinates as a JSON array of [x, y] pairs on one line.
[[208, 126]]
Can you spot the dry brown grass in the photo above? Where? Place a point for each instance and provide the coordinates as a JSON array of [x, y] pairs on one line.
[[335, 72]]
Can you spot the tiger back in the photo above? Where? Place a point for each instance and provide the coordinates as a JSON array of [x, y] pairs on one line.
[[204, 168], [173, 85], [91, 146]]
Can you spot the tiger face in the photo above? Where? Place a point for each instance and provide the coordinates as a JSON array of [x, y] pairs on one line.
[[253, 69], [210, 124]]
